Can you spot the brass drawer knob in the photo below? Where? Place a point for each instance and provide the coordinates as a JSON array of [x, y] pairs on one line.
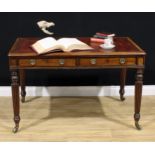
[[61, 61], [122, 61], [32, 61], [93, 61]]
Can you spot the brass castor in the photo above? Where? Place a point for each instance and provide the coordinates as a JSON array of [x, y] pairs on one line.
[[137, 125], [122, 98], [23, 99], [15, 129]]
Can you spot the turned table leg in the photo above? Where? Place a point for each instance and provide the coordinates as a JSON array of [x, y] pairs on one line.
[[138, 96], [22, 84], [15, 98], [122, 83]]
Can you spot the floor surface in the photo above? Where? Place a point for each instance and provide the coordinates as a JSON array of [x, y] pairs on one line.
[[78, 119]]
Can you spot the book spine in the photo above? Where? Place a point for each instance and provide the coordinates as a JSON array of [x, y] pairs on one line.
[[104, 34], [97, 40], [99, 36]]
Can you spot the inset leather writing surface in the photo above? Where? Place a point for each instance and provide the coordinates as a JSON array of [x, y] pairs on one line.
[[22, 46], [124, 46]]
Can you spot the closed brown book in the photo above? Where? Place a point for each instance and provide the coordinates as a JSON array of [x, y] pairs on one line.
[[97, 40]]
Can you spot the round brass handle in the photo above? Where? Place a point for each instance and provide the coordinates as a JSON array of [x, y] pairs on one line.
[[93, 61], [32, 61], [122, 61], [61, 61]]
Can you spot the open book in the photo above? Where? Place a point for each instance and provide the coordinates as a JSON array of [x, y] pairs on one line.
[[50, 44]]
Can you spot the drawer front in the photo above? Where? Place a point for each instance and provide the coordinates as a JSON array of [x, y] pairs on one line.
[[47, 62], [107, 61]]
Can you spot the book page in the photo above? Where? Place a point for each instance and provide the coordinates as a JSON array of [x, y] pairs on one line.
[[45, 45], [47, 42], [69, 44]]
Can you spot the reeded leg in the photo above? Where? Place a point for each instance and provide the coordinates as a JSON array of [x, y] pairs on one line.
[[15, 98], [22, 84], [138, 96], [122, 83]]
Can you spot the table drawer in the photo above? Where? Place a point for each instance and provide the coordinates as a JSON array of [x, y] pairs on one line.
[[47, 62], [107, 61]]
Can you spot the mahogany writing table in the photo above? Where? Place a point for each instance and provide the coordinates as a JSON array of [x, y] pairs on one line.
[[125, 55]]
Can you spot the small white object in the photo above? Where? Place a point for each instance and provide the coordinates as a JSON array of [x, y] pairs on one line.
[[43, 25], [108, 42], [105, 46], [111, 35]]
